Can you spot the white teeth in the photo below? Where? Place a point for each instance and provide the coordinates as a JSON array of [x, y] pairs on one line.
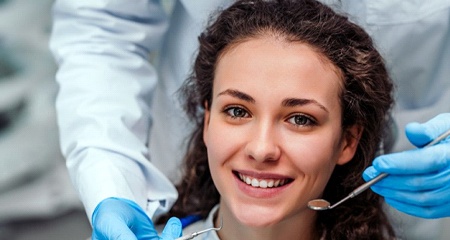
[[262, 183], [255, 182], [248, 181]]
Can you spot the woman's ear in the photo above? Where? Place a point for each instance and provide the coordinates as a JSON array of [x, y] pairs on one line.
[[206, 117], [350, 143]]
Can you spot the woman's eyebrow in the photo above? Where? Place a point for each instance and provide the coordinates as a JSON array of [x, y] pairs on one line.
[[292, 102], [238, 94]]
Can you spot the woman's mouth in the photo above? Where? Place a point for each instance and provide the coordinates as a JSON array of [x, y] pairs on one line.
[[263, 183]]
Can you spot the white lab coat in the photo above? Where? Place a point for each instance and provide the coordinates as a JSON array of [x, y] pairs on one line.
[[110, 98]]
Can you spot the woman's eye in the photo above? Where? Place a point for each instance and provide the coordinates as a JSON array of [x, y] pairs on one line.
[[236, 112], [301, 120]]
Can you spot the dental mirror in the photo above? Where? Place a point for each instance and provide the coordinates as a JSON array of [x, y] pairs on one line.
[[322, 204]]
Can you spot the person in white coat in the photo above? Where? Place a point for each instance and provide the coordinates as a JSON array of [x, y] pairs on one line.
[[122, 130]]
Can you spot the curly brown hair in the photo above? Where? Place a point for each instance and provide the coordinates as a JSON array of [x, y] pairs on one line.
[[366, 100]]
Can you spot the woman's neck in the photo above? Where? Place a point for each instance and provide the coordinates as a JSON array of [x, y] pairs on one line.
[[299, 226]]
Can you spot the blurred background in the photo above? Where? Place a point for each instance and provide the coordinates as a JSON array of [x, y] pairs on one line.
[[37, 200]]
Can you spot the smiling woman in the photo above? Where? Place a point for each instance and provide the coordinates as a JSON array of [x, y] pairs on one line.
[[271, 141], [289, 100]]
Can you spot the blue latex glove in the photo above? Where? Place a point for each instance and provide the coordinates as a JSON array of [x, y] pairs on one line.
[[419, 180], [117, 218]]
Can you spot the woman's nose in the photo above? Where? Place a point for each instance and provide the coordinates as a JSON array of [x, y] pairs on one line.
[[262, 145]]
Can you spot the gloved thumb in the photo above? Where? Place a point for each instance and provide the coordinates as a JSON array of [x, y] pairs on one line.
[[421, 134], [172, 230]]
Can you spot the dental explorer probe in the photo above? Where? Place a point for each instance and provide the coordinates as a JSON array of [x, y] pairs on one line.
[[322, 204], [195, 234]]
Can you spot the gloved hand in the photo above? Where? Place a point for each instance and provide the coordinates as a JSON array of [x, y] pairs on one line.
[[419, 180], [117, 218]]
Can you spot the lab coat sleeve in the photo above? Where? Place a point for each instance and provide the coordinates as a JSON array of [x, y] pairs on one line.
[[103, 104]]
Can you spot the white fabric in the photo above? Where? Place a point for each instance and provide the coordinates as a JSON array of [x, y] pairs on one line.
[[106, 85]]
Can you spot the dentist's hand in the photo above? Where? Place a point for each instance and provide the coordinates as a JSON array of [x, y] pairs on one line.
[[419, 180], [116, 218]]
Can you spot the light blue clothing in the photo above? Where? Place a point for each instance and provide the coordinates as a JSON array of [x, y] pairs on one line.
[[202, 225], [110, 96]]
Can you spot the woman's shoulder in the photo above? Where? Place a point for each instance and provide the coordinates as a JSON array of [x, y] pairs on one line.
[[202, 225], [195, 227]]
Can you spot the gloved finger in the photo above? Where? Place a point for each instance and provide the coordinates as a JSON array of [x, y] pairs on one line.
[[138, 221], [417, 182], [429, 212], [370, 173], [424, 198], [172, 229], [111, 227], [108, 224], [421, 134], [117, 218], [416, 161]]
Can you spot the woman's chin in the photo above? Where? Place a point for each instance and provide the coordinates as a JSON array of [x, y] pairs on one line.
[[257, 218], [258, 223]]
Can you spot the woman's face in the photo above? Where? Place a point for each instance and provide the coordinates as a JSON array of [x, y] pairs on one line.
[[273, 130]]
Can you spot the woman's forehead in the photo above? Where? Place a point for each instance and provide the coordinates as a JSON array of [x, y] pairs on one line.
[[269, 65]]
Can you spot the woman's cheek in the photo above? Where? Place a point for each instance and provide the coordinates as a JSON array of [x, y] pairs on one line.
[[313, 160], [218, 143]]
